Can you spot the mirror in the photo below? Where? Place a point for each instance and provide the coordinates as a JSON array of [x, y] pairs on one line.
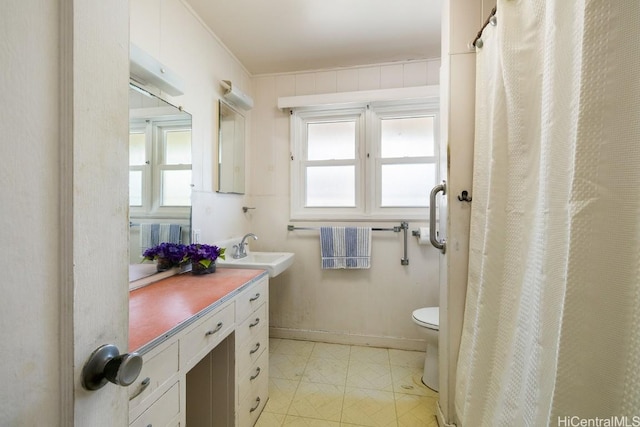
[[159, 177], [230, 149]]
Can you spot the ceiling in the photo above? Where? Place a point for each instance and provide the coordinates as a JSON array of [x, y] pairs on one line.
[[277, 36]]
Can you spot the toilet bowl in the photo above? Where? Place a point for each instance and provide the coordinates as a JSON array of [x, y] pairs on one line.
[[429, 318]]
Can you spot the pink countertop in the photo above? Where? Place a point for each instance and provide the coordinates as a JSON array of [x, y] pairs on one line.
[[160, 309]]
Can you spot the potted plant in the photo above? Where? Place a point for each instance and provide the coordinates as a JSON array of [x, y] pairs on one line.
[[167, 255], [203, 257]]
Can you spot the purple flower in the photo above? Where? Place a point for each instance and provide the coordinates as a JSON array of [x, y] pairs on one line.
[[204, 254], [173, 252]]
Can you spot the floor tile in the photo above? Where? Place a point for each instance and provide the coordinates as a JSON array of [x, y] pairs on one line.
[[409, 381], [369, 354], [273, 344], [295, 348], [331, 351], [286, 366], [416, 411], [268, 419], [293, 421], [319, 401], [327, 371], [365, 407], [333, 385], [369, 375], [281, 394], [412, 359]]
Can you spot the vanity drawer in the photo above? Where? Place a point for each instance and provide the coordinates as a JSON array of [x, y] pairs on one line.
[[252, 405], [251, 379], [201, 339], [164, 412], [157, 368], [252, 298], [250, 328], [250, 351]]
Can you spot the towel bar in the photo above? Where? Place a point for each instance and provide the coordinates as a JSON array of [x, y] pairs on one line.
[[404, 226]]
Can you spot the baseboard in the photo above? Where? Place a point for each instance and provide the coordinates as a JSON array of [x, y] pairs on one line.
[[440, 417], [349, 339]]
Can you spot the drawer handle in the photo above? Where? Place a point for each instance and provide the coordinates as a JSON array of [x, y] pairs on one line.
[[253, 350], [253, 377], [257, 404], [255, 297], [143, 386], [255, 323], [213, 331]]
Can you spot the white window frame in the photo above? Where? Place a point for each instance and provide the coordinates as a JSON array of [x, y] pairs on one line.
[[152, 171], [368, 161]]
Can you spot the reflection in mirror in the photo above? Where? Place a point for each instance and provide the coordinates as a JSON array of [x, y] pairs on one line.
[[230, 150], [159, 177]]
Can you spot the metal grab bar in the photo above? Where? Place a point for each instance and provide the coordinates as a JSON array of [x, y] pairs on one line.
[[395, 229], [442, 245]]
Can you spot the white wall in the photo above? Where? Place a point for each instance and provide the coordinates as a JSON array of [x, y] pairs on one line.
[[370, 306], [171, 32], [29, 200], [461, 21], [64, 282]]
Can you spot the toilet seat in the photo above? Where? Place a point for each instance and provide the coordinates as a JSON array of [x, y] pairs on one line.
[[428, 317]]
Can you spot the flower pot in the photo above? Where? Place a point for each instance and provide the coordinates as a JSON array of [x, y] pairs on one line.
[[197, 268], [164, 264]]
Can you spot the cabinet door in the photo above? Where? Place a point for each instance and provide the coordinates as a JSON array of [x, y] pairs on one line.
[[206, 335], [252, 325], [164, 412], [252, 298], [159, 367]]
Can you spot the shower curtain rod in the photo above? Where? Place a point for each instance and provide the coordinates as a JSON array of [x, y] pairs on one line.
[[493, 12]]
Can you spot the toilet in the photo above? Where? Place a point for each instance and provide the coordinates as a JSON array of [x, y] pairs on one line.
[[429, 318]]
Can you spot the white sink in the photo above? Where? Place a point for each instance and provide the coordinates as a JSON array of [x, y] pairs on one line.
[[274, 262]]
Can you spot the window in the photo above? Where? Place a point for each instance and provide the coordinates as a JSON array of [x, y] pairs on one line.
[[159, 167], [375, 161]]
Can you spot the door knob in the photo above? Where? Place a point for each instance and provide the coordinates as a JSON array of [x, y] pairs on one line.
[[107, 364]]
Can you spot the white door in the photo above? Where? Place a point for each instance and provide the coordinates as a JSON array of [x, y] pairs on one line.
[[63, 207], [96, 186]]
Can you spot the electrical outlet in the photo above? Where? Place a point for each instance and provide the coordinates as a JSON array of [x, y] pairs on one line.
[[196, 236]]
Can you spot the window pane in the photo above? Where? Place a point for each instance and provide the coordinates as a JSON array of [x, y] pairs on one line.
[[135, 188], [335, 140], [331, 186], [178, 147], [176, 188], [407, 137], [137, 154], [407, 184]]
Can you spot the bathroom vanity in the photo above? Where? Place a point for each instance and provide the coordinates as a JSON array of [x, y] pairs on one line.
[[204, 342]]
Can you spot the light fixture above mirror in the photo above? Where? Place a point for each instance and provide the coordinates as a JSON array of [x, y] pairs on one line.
[[235, 96], [147, 70]]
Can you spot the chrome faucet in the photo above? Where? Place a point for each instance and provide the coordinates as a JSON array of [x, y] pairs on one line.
[[240, 248]]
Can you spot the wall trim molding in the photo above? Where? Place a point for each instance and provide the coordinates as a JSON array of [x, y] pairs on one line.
[[349, 339]]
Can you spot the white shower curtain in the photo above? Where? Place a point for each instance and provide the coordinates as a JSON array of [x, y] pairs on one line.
[[552, 318]]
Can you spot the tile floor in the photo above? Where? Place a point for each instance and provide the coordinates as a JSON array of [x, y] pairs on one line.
[[332, 385]]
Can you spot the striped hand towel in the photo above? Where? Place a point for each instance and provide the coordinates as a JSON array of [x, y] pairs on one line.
[[345, 247], [153, 234]]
